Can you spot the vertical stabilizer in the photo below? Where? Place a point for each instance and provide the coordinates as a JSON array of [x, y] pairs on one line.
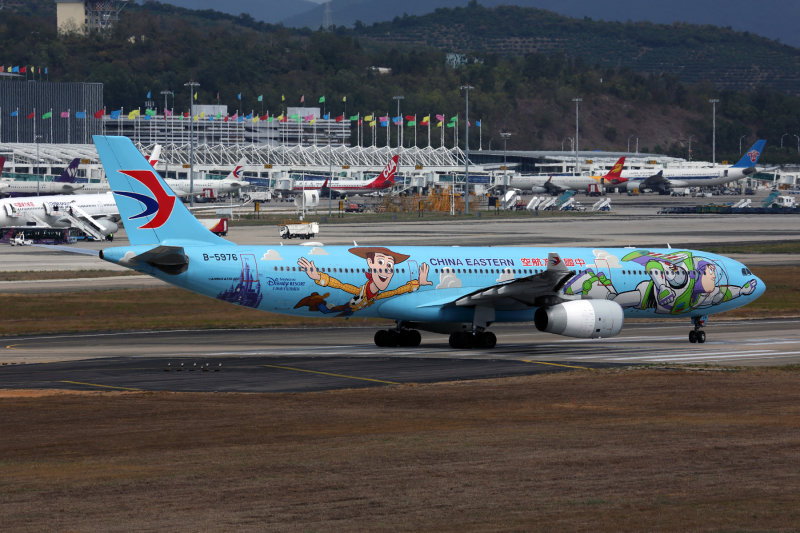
[[150, 211]]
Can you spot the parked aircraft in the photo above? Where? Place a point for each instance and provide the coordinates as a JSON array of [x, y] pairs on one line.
[[3, 184], [341, 188], [577, 292], [557, 183], [63, 184], [712, 176], [94, 214]]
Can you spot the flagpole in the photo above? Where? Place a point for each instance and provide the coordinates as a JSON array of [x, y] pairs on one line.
[[18, 125], [69, 120], [51, 125]]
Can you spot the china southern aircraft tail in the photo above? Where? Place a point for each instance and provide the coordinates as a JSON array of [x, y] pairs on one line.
[[750, 157], [150, 211]]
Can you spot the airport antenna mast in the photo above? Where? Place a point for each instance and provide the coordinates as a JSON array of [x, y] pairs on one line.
[[103, 15]]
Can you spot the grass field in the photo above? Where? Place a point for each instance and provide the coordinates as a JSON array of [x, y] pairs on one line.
[[631, 450]]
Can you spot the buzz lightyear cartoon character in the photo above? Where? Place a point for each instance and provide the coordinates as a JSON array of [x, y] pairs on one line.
[[677, 284], [380, 271]]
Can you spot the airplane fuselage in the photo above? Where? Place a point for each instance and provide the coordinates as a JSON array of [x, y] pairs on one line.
[[51, 209], [645, 283]]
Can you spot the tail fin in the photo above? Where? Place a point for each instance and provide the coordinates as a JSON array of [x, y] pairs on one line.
[[150, 211], [154, 156], [616, 170], [750, 157], [68, 176], [386, 177], [236, 173]]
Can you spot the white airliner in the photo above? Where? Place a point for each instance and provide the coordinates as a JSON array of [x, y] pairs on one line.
[[338, 188], [94, 214], [710, 176], [556, 183], [63, 184]]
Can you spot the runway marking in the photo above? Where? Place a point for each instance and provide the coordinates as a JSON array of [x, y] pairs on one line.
[[98, 385], [331, 374], [555, 364]]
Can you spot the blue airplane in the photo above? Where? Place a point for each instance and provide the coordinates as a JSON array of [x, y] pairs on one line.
[[460, 291]]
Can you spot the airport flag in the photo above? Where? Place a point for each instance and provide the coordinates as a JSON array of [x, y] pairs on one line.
[[260, 97], [15, 69], [65, 114], [340, 118], [425, 121], [235, 116], [354, 117], [326, 116], [80, 114], [148, 117], [397, 120], [250, 116], [15, 113], [439, 117], [148, 95], [283, 98], [454, 119], [412, 122], [384, 119], [32, 115], [99, 113], [371, 123], [321, 99], [196, 118], [45, 71], [133, 114], [168, 113], [344, 99], [384, 123], [410, 117], [49, 114], [308, 118], [240, 119], [478, 123], [439, 124], [2, 68], [195, 97], [23, 70], [302, 99], [280, 117], [150, 112], [265, 117], [451, 124], [312, 121], [368, 118]]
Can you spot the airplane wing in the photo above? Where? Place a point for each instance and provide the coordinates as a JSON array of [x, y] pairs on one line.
[[655, 182], [531, 291]]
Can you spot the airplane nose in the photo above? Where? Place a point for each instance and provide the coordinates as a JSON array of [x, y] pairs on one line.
[[760, 288]]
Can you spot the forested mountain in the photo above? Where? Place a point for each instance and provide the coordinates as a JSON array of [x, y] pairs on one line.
[[157, 47]]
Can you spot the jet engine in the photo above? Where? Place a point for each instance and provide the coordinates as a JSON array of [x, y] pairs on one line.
[[108, 226], [584, 319]]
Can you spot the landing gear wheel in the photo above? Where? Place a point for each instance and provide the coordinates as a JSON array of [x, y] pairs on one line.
[[410, 338], [462, 339], [485, 339], [693, 336], [701, 336], [382, 338]]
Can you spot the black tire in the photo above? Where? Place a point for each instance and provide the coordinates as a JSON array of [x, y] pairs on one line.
[[693, 336], [381, 338], [701, 337], [486, 339], [410, 338]]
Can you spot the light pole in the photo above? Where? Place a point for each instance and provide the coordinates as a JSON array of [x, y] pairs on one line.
[[505, 135], [191, 85], [400, 123], [798, 143], [690, 146], [38, 164], [631, 136], [467, 88], [577, 111], [740, 143], [714, 102], [571, 143]]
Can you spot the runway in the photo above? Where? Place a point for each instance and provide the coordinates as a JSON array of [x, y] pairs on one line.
[[297, 360]]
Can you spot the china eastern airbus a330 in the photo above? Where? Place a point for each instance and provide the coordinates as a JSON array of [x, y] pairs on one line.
[[460, 291]]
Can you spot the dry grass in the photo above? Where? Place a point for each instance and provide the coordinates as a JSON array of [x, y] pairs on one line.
[[602, 451]]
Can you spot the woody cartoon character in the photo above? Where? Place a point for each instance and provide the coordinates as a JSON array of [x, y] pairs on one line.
[[380, 263]]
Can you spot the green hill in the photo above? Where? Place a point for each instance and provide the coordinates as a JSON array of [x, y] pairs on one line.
[[157, 47]]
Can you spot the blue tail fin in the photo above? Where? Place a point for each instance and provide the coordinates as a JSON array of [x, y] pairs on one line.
[[150, 211], [68, 176], [750, 157]]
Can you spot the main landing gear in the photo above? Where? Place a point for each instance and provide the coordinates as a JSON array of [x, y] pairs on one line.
[[467, 339], [697, 334], [387, 338]]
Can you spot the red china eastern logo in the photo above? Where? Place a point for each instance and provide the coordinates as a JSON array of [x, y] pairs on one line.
[[160, 204]]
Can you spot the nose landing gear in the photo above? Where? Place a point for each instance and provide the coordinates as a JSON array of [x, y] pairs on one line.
[[697, 335]]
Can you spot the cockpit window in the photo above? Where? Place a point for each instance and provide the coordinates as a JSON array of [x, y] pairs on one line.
[[746, 272]]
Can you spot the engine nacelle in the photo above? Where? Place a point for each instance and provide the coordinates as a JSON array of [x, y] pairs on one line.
[[632, 187], [108, 226], [584, 319]]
